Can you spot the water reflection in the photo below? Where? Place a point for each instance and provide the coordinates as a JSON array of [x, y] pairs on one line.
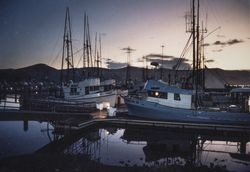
[[143, 147], [163, 147], [128, 147], [22, 137]]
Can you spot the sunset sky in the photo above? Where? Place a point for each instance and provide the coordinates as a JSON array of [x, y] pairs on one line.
[[31, 31]]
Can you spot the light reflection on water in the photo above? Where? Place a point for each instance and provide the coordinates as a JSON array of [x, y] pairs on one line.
[[130, 146], [109, 148]]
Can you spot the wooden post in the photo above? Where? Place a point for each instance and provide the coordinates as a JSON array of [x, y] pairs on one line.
[[25, 125]]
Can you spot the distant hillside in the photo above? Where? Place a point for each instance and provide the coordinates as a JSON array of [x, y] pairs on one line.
[[215, 78], [38, 72]]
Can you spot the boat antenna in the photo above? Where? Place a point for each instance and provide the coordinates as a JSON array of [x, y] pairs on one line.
[[128, 50], [100, 49], [162, 47]]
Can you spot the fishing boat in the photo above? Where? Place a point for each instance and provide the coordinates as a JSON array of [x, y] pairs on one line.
[[181, 102], [85, 93], [91, 90], [161, 101]]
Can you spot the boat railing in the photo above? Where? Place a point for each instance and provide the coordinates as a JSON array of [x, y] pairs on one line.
[[229, 108], [52, 104]]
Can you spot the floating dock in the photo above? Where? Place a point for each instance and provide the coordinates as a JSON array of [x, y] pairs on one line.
[[122, 120], [157, 124]]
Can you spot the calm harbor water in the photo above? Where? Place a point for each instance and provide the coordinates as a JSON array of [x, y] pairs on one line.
[[19, 137], [129, 146]]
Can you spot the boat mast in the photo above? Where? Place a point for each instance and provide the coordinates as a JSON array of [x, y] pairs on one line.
[[193, 37], [84, 43], [194, 32], [99, 60], [197, 55], [202, 55], [67, 53], [202, 59], [198, 66], [96, 54], [90, 60], [87, 50], [99, 55]]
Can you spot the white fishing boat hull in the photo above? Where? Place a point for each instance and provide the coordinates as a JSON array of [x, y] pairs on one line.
[[102, 97]]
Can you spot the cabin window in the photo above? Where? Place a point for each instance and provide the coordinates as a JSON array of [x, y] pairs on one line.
[[86, 90], [101, 88], [108, 87], [73, 91], [150, 93], [177, 97], [163, 95], [158, 94], [155, 88], [92, 88], [96, 88]]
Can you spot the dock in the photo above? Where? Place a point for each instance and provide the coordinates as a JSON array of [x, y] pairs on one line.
[[80, 120], [125, 122]]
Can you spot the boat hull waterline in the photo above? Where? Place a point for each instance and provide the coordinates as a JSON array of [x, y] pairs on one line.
[[151, 110]]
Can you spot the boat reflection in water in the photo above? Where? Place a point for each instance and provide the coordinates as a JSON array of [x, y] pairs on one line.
[[170, 149], [163, 148]]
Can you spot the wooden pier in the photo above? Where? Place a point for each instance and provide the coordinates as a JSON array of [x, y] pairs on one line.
[[130, 122], [80, 121]]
